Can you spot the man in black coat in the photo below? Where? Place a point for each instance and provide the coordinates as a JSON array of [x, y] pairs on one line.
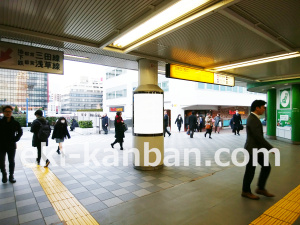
[[10, 133], [166, 123], [255, 139], [105, 123], [192, 124], [237, 121]]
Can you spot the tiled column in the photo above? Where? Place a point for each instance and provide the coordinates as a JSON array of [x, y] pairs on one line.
[[148, 118]]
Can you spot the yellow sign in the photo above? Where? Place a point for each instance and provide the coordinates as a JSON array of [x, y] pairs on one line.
[[188, 73], [194, 74]]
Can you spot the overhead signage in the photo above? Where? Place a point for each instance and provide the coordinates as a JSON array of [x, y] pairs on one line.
[[22, 57], [223, 80], [285, 99], [116, 109], [195, 74]]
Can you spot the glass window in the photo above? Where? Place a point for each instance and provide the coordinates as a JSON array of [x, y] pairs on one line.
[[209, 86], [216, 87], [222, 88], [235, 89], [201, 85]]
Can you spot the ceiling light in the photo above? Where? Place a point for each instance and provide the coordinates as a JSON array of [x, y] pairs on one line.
[[161, 19], [257, 61], [75, 56]]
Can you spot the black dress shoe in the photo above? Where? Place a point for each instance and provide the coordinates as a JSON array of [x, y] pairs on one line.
[[4, 178], [12, 179], [112, 145], [47, 163]]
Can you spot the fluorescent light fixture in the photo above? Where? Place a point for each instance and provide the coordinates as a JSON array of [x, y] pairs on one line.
[[257, 61], [75, 56], [168, 15]]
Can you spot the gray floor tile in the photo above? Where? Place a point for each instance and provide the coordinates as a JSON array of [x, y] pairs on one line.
[[30, 216], [105, 196], [112, 202], [7, 206], [24, 196], [52, 219], [35, 222], [27, 209], [10, 221], [127, 197], [83, 195], [95, 207], [48, 212], [89, 200], [8, 213]]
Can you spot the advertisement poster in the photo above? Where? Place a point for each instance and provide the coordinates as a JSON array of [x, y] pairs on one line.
[[284, 118], [284, 98]]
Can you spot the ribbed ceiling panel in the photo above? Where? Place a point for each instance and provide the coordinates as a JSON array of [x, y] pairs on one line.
[[281, 16], [91, 20], [212, 40]]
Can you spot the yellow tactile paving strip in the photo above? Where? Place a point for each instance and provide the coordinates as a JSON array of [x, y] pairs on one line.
[[67, 207], [284, 212]]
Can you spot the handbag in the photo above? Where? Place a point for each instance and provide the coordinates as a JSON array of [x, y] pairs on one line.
[[125, 127], [188, 132], [241, 127], [208, 126]]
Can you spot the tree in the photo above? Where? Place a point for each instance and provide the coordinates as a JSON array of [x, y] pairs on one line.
[[16, 109]]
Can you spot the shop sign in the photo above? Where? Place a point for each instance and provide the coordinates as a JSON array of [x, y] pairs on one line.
[[233, 112], [116, 109]]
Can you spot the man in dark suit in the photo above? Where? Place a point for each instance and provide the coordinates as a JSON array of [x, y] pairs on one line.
[[255, 139], [192, 124], [237, 121], [166, 123]]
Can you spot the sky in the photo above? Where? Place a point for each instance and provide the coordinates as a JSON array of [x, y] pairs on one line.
[[72, 72]]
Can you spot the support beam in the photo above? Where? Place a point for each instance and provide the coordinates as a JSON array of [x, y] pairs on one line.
[[249, 25]]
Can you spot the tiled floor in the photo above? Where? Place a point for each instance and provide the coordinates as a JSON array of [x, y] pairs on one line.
[[105, 189]]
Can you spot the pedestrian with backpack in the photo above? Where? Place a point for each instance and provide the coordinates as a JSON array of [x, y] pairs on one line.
[[60, 132], [41, 131]]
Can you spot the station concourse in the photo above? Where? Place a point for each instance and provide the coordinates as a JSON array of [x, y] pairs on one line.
[[251, 41]]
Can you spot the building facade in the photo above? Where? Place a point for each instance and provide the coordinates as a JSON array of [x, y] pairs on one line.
[[17, 86], [86, 94], [180, 97]]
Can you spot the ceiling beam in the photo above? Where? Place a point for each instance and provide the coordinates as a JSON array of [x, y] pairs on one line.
[[254, 28], [46, 36]]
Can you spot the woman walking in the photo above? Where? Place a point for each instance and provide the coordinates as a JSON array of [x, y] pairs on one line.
[[60, 132], [208, 125], [179, 121], [119, 130]]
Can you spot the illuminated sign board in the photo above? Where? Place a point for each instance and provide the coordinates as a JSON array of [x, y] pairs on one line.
[[233, 112], [116, 109], [28, 58], [195, 74]]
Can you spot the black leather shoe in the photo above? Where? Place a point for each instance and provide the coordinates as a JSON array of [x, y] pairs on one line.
[[112, 145], [12, 179], [4, 178], [47, 163]]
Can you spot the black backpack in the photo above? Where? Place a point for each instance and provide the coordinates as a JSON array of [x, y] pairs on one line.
[[44, 131]]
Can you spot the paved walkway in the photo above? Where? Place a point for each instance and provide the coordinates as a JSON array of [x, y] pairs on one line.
[[119, 194]]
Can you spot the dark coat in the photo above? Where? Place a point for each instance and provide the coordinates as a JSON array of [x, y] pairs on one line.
[[104, 121], [255, 135], [192, 122], [35, 127], [60, 131], [119, 131], [166, 120], [179, 121], [74, 124], [10, 133], [237, 120]]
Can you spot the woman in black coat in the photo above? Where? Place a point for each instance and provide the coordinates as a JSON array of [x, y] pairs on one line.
[[179, 121], [119, 130], [60, 132]]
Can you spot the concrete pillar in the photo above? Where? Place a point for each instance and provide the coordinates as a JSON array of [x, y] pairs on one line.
[[271, 114], [148, 110], [295, 114]]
